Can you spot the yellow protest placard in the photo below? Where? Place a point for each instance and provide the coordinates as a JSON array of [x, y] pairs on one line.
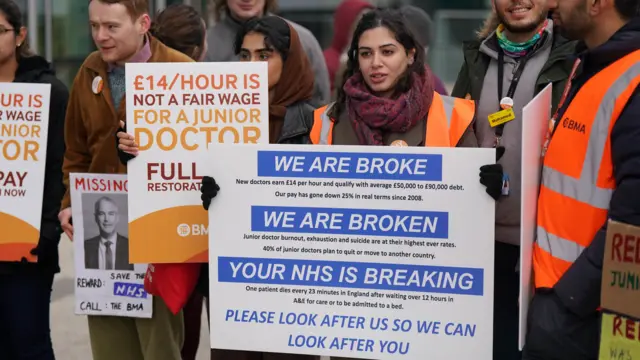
[[620, 339], [621, 270]]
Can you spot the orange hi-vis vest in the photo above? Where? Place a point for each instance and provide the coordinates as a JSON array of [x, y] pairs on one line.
[[577, 173], [447, 121]]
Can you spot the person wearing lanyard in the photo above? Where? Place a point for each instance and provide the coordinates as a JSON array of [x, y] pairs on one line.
[[516, 55]]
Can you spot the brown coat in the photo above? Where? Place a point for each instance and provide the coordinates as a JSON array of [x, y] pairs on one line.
[[92, 120]]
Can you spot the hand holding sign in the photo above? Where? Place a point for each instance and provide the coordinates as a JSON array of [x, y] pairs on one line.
[[65, 221], [492, 176], [126, 141], [209, 189]]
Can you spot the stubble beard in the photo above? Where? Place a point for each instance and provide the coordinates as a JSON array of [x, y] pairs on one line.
[[522, 28], [577, 26]]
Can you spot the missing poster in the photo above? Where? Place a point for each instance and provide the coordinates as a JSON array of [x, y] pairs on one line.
[[106, 282]]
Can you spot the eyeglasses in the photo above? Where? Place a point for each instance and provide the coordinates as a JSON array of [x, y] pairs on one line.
[[4, 30]]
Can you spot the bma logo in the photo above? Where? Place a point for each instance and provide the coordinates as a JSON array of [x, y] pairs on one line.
[[573, 125], [185, 230]]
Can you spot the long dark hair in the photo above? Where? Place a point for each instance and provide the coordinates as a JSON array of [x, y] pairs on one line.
[[12, 13], [395, 22], [180, 27], [276, 31]]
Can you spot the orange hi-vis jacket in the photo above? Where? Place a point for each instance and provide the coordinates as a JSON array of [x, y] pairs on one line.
[[447, 121], [577, 174]]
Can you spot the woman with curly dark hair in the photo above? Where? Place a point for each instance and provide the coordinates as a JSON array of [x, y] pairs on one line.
[[387, 96]]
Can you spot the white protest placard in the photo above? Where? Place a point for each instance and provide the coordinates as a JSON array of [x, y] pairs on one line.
[[106, 283], [535, 121], [24, 124], [356, 251], [174, 111]]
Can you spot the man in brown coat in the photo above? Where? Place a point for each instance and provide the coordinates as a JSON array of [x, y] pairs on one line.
[[96, 105]]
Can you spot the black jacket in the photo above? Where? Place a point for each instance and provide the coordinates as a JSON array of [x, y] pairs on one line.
[[579, 288], [298, 121], [36, 69], [563, 322]]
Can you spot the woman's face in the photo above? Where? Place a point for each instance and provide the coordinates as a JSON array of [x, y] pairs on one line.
[[254, 49], [10, 39], [382, 60]]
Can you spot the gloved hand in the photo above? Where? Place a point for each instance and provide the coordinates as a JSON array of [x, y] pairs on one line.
[[209, 190], [491, 176]]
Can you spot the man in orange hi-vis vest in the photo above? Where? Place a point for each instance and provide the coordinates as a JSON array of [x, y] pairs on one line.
[[591, 172]]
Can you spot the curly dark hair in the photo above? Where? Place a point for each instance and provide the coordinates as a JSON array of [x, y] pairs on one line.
[[394, 21]]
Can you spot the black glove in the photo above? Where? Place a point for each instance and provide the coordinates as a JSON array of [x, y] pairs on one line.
[[209, 190], [123, 156], [491, 176]]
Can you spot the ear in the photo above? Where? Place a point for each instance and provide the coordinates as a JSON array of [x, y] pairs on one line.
[[144, 21], [21, 36], [598, 6], [412, 56], [493, 6]]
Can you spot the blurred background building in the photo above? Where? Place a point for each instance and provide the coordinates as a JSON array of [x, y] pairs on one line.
[[61, 33]]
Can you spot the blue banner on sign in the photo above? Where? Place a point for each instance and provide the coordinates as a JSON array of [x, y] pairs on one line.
[[358, 275], [348, 165], [399, 223], [129, 290]]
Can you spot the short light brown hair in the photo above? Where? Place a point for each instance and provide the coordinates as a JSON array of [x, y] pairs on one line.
[[135, 8], [220, 7]]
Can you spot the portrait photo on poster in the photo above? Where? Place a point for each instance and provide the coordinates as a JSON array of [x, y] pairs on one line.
[[106, 235], [106, 283]]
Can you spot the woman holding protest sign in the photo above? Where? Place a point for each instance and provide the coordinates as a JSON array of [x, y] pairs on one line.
[[291, 83], [387, 98], [26, 286]]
